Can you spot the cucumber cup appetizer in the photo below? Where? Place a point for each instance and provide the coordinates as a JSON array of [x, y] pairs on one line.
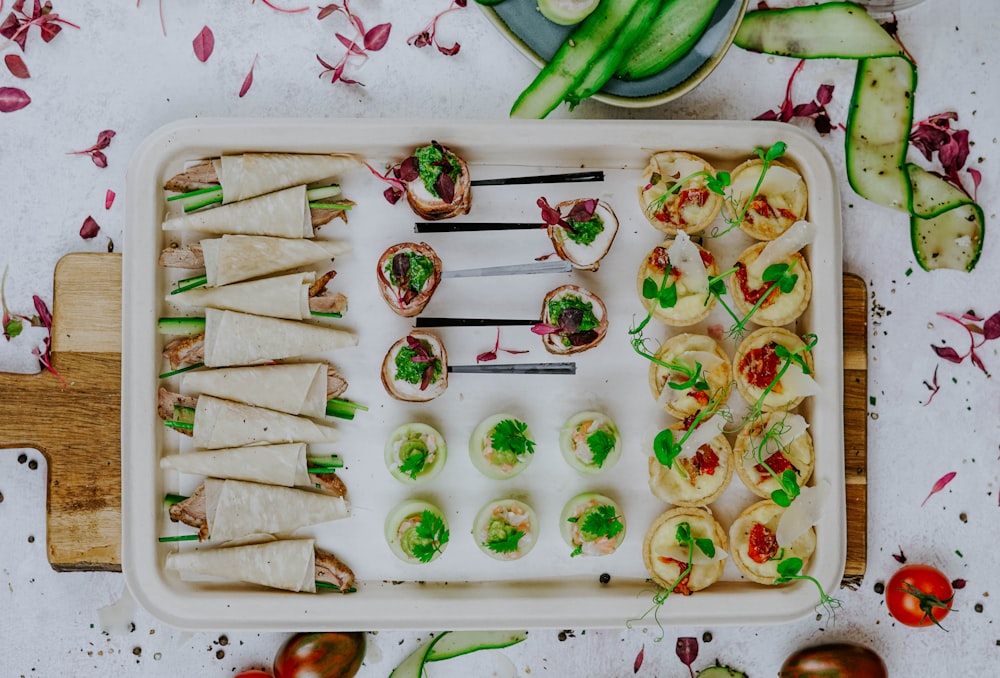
[[415, 453], [416, 531], [590, 442], [505, 529], [501, 446], [592, 524]]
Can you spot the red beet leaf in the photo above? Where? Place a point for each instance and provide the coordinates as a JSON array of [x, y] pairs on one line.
[[17, 24], [13, 99], [637, 664], [687, 652], [109, 199], [16, 66], [991, 328], [935, 136], [941, 483], [204, 44], [428, 36], [358, 46], [933, 387], [248, 81], [327, 10], [376, 38], [90, 228], [815, 109], [900, 557], [45, 357], [95, 151]]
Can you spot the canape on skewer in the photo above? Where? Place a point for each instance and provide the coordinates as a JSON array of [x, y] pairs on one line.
[[438, 184], [408, 273], [415, 368]]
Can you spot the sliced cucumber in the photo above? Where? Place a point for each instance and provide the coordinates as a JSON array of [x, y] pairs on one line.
[[840, 30], [930, 195], [607, 63], [181, 327], [668, 37], [718, 671], [878, 130], [413, 665], [567, 12], [952, 239], [457, 643], [569, 65]]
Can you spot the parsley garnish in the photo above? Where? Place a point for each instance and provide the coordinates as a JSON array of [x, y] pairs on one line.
[[414, 464], [602, 521], [433, 536], [509, 435], [600, 443], [502, 537]]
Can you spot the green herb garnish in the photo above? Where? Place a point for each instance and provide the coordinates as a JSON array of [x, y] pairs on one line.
[[432, 161], [510, 435], [600, 443], [790, 569], [502, 537], [431, 537], [601, 521], [585, 232]]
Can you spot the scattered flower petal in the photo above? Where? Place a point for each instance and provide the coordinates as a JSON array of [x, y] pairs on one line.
[[637, 664], [900, 557], [90, 228], [109, 199], [13, 99], [248, 81], [940, 485], [16, 66], [204, 44], [687, 651]]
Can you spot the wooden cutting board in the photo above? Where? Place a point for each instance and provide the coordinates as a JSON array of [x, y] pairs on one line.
[[77, 428]]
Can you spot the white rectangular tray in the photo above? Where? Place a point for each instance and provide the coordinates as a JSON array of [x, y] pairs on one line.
[[464, 589]]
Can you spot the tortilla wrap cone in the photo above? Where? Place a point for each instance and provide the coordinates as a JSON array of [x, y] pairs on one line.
[[296, 388], [283, 464], [233, 338], [284, 214], [234, 258], [287, 564], [237, 509], [223, 423], [252, 174], [283, 296]]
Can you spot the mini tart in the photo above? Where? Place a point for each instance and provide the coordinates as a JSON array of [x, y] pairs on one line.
[[797, 454], [692, 207], [573, 524], [697, 480], [690, 349], [587, 245], [665, 559], [590, 442], [411, 381], [497, 525], [781, 201], [401, 532], [499, 464], [572, 320], [415, 453], [778, 308], [755, 365], [397, 268], [424, 200], [691, 307], [753, 533]]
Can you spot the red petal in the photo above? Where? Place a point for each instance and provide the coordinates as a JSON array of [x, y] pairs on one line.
[[16, 66], [13, 99], [327, 10], [486, 357], [637, 664], [351, 46], [247, 81], [940, 485], [109, 199], [89, 229], [450, 51], [49, 30], [991, 328], [104, 138], [99, 159], [203, 44], [376, 38], [948, 353]]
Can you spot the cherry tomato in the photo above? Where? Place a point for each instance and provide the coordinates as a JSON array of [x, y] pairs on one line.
[[834, 660], [253, 673], [320, 655], [919, 595]]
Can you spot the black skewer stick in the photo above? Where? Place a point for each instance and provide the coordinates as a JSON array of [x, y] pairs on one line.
[[423, 321], [516, 368], [565, 178], [474, 226]]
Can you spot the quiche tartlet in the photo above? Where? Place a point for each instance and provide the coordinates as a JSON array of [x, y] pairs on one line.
[[756, 366], [690, 207], [665, 559], [755, 548], [688, 350], [694, 479], [788, 446], [781, 200], [690, 266]]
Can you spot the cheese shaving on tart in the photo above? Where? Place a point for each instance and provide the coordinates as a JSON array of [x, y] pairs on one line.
[[660, 548], [805, 511], [691, 207], [781, 200], [779, 441], [777, 307], [688, 350], [700, 474], [755, 549], [690, 279], [756, 366]]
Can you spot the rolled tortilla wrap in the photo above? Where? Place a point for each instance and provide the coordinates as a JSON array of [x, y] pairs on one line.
[[233, 258], [297, 388], [233, 338], [252, 174], [222, 423], [237, 509], [283, 464], [284, 214], [283, 296], [288, 564]]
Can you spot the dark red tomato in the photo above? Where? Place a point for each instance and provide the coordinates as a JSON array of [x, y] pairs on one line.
[[254, 673], [834, 660], [919, 595], [320, 655]]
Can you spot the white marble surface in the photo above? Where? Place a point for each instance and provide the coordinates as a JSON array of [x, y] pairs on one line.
[[119, 71]]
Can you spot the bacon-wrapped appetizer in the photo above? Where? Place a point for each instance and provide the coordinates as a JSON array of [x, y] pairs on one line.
[[408, 274]]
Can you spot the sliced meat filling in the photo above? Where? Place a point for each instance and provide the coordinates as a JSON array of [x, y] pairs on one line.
[[192, 511], [194, 178], [330, 569]]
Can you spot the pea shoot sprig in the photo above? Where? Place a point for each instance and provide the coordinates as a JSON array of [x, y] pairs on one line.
[[790, 569], [720, 183], [666, 449], [684, 537], [662, 295], [788, 357], [780, 276], [788, 479]]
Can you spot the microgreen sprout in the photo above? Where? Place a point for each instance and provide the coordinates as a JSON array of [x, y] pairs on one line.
[[360, 45], [666, 449], [684, 538], [790, 569], [428, 36], [15, 27], [787, 478], [814, 110], [787, 356]]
